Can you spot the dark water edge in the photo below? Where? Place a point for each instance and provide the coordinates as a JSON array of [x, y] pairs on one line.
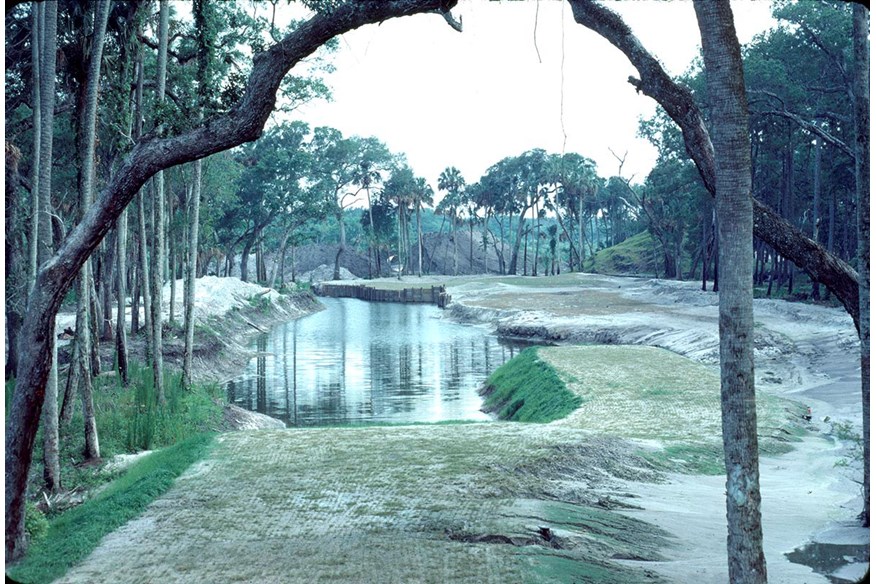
[[370, 362], [827, 558]]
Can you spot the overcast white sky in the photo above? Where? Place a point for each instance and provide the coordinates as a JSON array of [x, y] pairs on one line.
[[469, 99]]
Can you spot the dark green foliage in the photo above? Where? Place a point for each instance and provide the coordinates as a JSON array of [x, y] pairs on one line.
[[35, 523], [526, 389], [73, 535]]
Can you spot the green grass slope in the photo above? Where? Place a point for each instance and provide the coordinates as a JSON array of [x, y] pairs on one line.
[[527, 389], [74, 534], [634, 255]]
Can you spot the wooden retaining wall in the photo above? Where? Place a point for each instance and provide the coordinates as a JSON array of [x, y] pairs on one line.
[[434, 295]]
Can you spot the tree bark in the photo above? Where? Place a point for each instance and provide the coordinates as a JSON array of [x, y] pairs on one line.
[[190, 273], [52, 472], [158, 224], [171, 274], [861, 84], [88, 132], [726, 88], [16, 274], [678, 102], [342, 245], [153, 153], [121, 273], [521, 222], [35, 44], [145, 273], [419, 240], [816, 203]]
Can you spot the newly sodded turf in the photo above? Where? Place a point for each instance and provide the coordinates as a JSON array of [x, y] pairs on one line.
[[75, 533], [669, 402], [491, 502], [526, 389]]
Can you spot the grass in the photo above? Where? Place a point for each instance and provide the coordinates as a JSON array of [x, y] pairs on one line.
[[665, 400], [129, 420], [634, 255], [383, 504], [72, 535], [526, 389]]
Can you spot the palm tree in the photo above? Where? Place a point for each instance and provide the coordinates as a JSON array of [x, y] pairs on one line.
[[422, 195], [730, 135], [452, 182]]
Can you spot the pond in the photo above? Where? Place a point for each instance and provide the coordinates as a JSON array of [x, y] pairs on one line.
[[366, 362]]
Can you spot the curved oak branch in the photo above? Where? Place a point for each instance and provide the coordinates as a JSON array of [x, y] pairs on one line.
[[243, 123], [679, 103]]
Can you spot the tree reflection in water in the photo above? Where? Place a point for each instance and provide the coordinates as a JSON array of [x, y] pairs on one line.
[[361, 362]]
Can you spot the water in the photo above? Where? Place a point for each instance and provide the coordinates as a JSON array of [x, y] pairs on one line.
[[829, 559], [359, 362]]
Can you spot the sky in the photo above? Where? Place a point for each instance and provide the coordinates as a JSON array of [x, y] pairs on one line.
[[508, 83]]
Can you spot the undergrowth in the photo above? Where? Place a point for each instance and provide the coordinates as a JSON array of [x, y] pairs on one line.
[[72, 535], [526, 389], [129, 420]]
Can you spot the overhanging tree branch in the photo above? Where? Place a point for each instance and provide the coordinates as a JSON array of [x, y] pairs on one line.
[[679, 103], [813, 129], [154, 153]]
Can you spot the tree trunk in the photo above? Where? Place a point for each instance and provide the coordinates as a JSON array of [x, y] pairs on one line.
[[35, 46], [158, 226], [537, 240], [244, 258], [191, 272], [580, 232], [726, 87], [122, 272], [52, 472], [278, 265], [88, 133], [400, 227], [171, 261], [16, 275], [512, 268], [419, 241], [455, 244], [241, 124], [145, 279], [371, 236], [106, 288], [342, 245], [860, 36], [816, 203]]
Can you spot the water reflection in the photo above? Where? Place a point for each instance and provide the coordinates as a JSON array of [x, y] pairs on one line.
[[370, 362]]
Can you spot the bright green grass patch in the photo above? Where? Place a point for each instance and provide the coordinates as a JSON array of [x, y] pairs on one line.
[[527, 389], [74, 534]]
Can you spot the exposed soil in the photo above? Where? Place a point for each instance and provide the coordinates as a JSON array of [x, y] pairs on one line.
[[505, 502], [802, 351]]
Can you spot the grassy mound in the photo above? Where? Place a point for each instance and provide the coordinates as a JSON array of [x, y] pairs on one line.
[[634, 255], [526, 389], [72, 535]]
